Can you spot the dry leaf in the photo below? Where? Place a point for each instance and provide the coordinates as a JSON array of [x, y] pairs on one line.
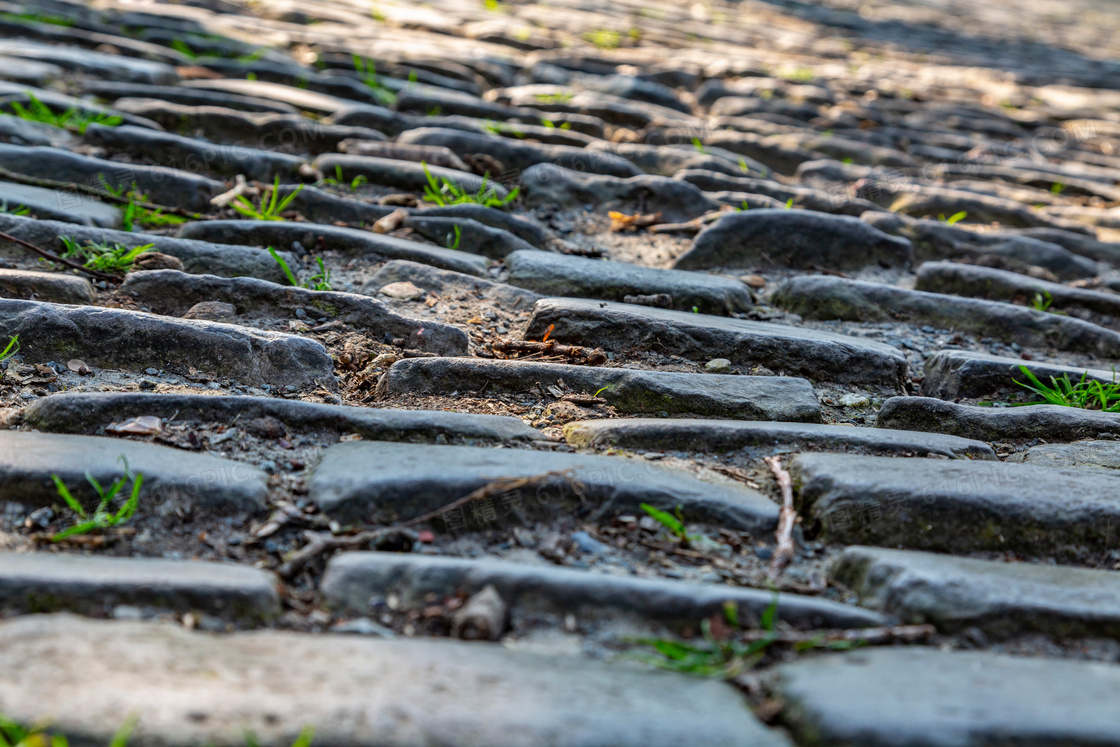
[[624, 222], [144, 425], [79, 367]]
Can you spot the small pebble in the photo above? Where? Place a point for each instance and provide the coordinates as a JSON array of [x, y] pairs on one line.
[[718, 365], [586, 543]]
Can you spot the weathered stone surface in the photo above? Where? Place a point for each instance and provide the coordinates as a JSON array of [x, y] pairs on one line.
[[804, 198], [563, 275], [935, 239], [1103, 455], [31, 72], [1050, 422], [387, 172], [633, 88], [612, 109], [471, 236], [48, 582], [181, 478], [769, 150], [48, 203], [99, 64], [445, 281], [382, 482], [162, 185], [352, 578], [951, 374], [25, 132], [376, 119], [793, 239], [554, 135], [319, 206], [818, 356], [178, 152], [197, 256], [172, 292], [45, 286], [292, 83], [731, 435], [301, 98], [88, 412], [202, 688], [353, 240], [825, 297], [934, 201], [677, 201], [423, 99], [514, 154], [433, 155], [1002, 599], [520, 227], [264, 130], [1086, 246], [1001, 285], [873, 698], [956, 505], [112, 90], [627, 390], [667, 160], [132, 340]]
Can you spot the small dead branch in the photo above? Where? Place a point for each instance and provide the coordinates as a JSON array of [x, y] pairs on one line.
[[868, 636], [55, 258], [787, 518], [391, 222], [575, 353], [583, 400], [624, 222], [99, 193], [321, 543], [497, 487], [691, 228], [241, 188], [696, 225]]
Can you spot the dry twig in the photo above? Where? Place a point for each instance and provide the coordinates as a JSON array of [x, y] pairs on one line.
[[99, 193], [787, 518], [497, 487], [55, 258], [624, 222], [885, 634], [592, 357], [391, 222], [241, 188], [320, 543]]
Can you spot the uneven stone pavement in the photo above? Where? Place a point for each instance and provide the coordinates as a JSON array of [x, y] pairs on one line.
[[432, 373]]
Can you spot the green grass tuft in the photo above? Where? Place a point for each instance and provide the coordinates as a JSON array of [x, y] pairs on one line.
[[320, 281], [102, 516], [111, 258], [270, 206], [1087, 394], [367, 71], [73, 118], [445, 192]]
